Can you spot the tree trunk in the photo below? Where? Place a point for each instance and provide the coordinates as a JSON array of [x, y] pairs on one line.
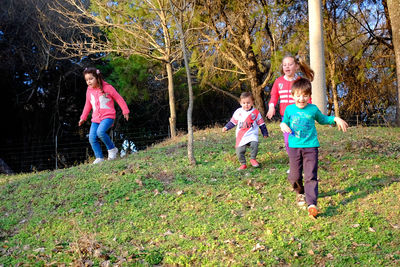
[[171, 96], [317, 57], [335, 98], [332, 71], [252, 71], [191, 157], [257, 94], [394, 14]]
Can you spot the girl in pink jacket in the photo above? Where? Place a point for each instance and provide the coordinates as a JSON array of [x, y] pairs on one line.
[[281, 90], [100, 98]]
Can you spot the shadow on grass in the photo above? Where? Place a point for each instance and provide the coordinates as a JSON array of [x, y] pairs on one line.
[[360, 190]]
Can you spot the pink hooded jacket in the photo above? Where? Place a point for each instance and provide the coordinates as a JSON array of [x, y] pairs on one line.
[[102, 105]]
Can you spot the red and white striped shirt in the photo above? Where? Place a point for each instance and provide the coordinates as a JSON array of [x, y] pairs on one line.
[[281, 90], [247, 123]]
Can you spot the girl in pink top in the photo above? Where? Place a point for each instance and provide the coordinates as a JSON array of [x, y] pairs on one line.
[[281, 90], [100, 98]]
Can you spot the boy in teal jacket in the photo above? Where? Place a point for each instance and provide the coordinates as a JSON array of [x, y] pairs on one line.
[[299, 121]]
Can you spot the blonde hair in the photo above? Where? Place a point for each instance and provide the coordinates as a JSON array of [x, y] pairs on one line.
[[304, 67]]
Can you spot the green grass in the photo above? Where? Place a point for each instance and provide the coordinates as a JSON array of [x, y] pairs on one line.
[[153, 208]]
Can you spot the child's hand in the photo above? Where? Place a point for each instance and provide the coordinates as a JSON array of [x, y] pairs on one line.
[[224, 129], [80, 122], [265, 136], [342, 125], [285, 128], [271, 112], [126, 116]]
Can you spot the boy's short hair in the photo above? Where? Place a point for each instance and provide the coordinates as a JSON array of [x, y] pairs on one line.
[[246, 95], [303, 85]]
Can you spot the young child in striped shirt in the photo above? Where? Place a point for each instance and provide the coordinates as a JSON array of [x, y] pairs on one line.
[[247, 119]]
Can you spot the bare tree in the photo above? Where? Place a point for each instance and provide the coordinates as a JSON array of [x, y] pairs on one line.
[[332, 48], [243, 42], [143, 28], [178, 9], [236, 38], [358, 55]]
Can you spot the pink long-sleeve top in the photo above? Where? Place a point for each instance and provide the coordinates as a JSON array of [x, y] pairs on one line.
[[281, 90], [103, 104]]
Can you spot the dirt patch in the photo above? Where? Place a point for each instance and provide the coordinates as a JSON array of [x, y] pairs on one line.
[[88, 248], [362, 145], [174, 149], [164, 176]]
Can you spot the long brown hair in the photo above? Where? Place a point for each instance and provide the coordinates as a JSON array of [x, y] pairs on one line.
[[97, 75], [304, 67]]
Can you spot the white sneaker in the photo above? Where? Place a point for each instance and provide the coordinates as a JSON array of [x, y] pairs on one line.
[[301, 200], [288, 171], [112, 153], [98, 160]]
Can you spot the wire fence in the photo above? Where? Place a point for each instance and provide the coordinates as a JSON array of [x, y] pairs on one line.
[[66, 151]]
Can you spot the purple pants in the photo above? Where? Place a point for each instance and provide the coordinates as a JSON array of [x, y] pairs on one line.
[[304, 159], [286, 138]]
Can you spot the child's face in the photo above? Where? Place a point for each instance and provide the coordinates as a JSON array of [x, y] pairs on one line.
[[289, 67], [246, 103], [91, 80], [301, 99]]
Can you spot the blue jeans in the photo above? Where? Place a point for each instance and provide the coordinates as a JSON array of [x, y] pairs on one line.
[[99, 130]]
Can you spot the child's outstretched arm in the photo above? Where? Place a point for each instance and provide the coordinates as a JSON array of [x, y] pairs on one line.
[[264, 130], [342, 125], [228, 126], [285, 128]]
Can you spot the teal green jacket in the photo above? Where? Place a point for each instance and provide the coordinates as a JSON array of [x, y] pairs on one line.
[[302, 123]]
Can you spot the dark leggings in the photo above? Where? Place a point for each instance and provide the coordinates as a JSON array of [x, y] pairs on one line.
[[241, 150]]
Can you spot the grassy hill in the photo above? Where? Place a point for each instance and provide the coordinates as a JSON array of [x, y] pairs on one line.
[[152, 208]]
